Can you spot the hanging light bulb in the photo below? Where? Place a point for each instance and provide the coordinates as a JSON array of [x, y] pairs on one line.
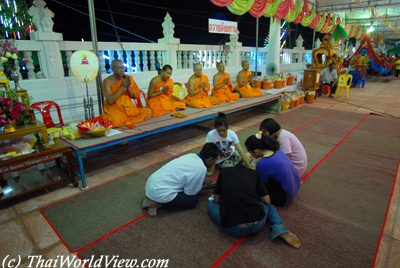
[[15, 6]]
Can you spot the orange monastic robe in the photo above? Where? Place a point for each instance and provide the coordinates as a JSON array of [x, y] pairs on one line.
[[123, 112], [225, 93], [247, 91], [201, 99], [164, 103]]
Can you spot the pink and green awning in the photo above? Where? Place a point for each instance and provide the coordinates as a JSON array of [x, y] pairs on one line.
[[296, 11]]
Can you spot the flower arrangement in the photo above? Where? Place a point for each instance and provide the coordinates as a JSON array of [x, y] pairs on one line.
[[10, 110], [8, 55]]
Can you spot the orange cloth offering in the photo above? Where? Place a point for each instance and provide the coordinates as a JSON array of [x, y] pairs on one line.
[[247, 91], [124, 112], [166, 102], [201, 99], [225, 93]]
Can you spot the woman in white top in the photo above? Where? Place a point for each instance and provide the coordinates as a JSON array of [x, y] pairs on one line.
[[230, 150], [289, 144]]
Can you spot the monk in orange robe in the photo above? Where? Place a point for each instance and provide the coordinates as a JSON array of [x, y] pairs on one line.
[[160, 99], [118, 90], [245, 82], [198, 88], [223, 87]]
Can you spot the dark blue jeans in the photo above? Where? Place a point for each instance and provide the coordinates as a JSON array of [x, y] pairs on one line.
[[182, 201], [271, 218]]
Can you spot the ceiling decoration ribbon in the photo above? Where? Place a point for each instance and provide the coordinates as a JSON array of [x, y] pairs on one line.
[[307, 20], [258, 8], [283, 9], [239, 7], [221, 3], [316, 20], [320, 23], [294, 13], [272, 8], [305, 11]]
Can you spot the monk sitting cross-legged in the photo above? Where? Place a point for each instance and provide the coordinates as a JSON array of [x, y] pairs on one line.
[[198, 88], [245, 82], [118, 90], [223, 87], [160, 99]]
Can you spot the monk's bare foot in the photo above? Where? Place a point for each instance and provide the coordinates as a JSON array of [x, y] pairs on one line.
[[291, 239]]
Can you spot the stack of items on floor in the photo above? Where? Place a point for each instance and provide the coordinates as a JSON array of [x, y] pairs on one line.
[[293, 99]]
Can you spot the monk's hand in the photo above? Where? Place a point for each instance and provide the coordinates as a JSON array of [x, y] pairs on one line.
[[226, 81], [165, 89], [126, 82]]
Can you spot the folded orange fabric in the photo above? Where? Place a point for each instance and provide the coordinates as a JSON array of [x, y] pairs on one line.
[[178, 115]]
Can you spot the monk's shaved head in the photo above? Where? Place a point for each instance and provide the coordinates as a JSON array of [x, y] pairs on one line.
[[198, 69], [117, 63]]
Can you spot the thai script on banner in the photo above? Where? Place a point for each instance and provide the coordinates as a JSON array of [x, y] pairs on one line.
[[222, 26]]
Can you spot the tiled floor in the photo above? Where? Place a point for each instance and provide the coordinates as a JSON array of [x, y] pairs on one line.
[[23, 231]]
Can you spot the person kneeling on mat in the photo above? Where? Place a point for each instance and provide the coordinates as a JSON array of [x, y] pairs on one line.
[[241, 206], [176, 184]]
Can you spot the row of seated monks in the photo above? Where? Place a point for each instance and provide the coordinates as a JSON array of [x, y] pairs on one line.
[[120, 88]]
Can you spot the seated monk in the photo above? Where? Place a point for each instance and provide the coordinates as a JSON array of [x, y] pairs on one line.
[[245, 82], [118, 89], [198, 88], [223, 87], [159, 98]]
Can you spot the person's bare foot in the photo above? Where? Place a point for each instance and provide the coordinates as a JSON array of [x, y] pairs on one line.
[[150, 206], [152, 211], [291, 239]]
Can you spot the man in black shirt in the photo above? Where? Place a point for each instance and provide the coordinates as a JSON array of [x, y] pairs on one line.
[[241, 206]]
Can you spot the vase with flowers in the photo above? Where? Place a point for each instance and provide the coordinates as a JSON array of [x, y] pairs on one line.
[[8, 56], [10, 111]]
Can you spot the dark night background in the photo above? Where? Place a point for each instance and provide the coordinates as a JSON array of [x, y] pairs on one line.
[[144, 18]]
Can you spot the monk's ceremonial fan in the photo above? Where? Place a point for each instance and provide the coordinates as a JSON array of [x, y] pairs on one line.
[[85, 67]]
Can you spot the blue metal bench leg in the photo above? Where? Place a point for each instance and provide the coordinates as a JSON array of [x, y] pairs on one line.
[[81, 170]]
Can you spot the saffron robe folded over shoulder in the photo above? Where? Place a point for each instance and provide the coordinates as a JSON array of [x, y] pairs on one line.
[[247, 91], [123, 112], [201, 99], [164, 103], [225, 93]]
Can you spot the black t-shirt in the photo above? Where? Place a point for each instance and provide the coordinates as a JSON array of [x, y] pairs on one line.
[[241, 190]]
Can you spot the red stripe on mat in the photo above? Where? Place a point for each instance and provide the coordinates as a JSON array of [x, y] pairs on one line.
[[229, 251], [144, 215], [305, 177], [57, 233], [386, 215], [307, 124]]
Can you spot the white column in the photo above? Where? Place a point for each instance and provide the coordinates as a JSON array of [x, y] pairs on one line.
[[137, 60], [50, 55], [274, 43], [152, 60], [191, 56], [145, 61], [29, 64], [101, 60], [129, 60], [178, 59]]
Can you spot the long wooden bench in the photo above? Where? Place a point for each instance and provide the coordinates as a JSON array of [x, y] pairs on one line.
[[270, 103]]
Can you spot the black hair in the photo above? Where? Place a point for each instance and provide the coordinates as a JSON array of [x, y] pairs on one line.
[[221, 121], [265, 143], [166, 67], [209, 150], [270, 125]]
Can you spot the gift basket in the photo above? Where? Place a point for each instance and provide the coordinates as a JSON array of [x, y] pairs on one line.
[[96, 127], [285, 102]]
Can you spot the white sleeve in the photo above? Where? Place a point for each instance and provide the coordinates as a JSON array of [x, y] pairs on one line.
[[208, 138], [234, 137], [193, 184]]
